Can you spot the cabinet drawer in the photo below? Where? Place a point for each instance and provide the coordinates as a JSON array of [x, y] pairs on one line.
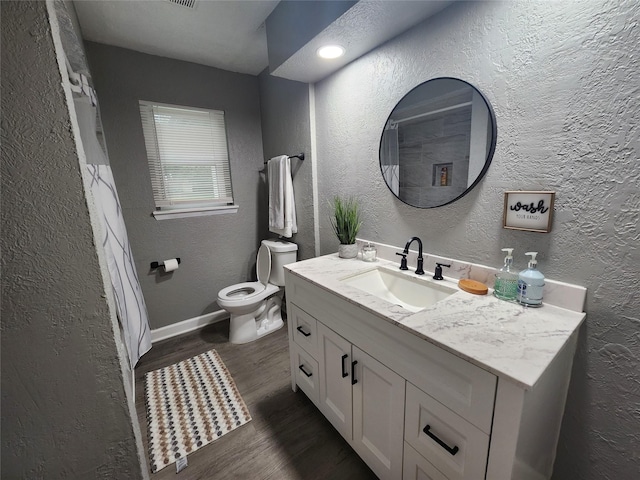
[[306, 371], [305, 331], [451, 444], [416, 467]]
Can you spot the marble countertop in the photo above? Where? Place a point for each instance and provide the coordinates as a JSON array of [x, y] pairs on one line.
[[509, 340]]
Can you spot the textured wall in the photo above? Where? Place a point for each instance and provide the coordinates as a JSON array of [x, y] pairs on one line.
[[64, 412], [284, 105], [564, 80], [217, 250]]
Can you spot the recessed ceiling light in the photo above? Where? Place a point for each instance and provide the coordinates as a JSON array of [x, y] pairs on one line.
[[331, 51]]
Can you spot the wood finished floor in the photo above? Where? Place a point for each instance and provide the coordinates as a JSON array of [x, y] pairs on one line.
[[287, 438]]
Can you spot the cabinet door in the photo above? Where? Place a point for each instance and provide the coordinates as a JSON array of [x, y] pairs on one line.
[[335, 380], [378, 415]]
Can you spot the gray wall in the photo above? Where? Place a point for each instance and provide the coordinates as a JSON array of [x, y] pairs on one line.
[[285, 130], [218, 250], [64, 412], [563, 79]]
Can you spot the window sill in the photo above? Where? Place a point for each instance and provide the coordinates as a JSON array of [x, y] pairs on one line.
[[193, 212]]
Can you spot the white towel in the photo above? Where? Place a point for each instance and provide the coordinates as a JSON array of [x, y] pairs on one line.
[[282, 208]]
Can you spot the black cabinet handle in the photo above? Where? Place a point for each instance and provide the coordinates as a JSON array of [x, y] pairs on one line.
[[301, 367], [452, 451], [353, 372], [303, 332], [344, 366]]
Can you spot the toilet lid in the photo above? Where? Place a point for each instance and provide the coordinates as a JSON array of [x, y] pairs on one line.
[[263, 264]]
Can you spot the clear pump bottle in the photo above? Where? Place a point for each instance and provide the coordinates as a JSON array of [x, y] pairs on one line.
[[506, 283], [531, 283]]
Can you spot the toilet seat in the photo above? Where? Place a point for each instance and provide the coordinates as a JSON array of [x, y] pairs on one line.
[[263, 264], [246, 292]]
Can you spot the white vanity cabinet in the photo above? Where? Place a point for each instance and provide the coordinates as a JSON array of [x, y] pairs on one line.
[[354, 367], [410, 409]]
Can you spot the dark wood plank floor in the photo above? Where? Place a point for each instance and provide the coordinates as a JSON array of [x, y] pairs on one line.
[[287, 438]]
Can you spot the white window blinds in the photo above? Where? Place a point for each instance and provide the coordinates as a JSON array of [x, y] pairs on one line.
[[188, 156]]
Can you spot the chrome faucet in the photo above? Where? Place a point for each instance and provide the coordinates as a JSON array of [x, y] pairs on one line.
[[405, 252]]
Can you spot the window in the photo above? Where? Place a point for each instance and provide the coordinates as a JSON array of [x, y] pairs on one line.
[[188, 160]]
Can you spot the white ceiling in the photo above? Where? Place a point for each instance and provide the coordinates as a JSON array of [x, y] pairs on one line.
[[225, 34], [230, 34]]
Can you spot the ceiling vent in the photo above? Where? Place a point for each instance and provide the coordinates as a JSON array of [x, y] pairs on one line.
[[184, 3]]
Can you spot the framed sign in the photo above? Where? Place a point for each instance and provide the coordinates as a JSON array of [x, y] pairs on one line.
[[531, 211]]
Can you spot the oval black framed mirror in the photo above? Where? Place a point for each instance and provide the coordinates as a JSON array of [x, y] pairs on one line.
[[437, 143]]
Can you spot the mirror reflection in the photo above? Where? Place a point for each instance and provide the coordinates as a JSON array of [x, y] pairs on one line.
[[437, 143]]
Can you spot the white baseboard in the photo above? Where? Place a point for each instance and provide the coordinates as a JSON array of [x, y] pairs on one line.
[[188, 325]]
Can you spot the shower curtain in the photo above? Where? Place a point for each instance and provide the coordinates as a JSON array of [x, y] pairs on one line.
[[390, 158], [131, 309]]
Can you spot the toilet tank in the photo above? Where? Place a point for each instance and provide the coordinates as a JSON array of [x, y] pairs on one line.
[[282, 253]]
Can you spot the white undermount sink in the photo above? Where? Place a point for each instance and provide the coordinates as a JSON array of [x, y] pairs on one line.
[[411, 293]]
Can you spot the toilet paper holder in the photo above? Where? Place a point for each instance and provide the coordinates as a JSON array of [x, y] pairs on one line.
[[155, 265]]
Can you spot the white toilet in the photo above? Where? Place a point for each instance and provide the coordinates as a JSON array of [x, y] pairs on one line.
[[254, 306]]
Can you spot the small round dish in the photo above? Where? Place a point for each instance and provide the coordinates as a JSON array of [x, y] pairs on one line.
[[473, 286]]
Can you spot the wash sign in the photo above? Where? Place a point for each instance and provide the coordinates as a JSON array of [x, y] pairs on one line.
[[531, 211]]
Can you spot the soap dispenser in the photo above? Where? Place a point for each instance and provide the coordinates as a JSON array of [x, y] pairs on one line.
[[506, 283], [530, 284]]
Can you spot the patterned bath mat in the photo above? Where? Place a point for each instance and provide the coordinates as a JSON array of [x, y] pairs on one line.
[[190, 404]]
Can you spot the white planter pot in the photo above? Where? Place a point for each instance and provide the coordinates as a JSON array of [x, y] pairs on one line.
[[348, 251]]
